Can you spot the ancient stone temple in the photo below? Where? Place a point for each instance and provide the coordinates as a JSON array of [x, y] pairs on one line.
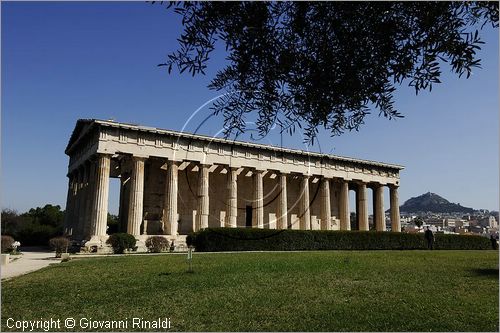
[[173, 183]]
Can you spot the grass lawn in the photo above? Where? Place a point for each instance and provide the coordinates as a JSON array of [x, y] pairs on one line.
[[296, 291]]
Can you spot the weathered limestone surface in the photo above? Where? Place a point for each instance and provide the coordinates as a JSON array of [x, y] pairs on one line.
[[345, 218], [172, 183], [203, 199], [282, 203], [258, 203], [362, 207], [136, 197], [170, 223], [305, 213], [379, 212], [326, 211], [394, 198], [99, 214], [232, 198]]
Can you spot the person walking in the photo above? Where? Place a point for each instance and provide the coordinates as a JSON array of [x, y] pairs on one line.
[[493, 241], [429, 236]]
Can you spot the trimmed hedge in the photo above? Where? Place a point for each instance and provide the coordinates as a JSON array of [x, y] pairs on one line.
[[121, 242], [157, 244], [249, 239]]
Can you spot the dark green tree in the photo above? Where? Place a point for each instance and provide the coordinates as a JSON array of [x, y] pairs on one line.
[[11, 222], [47, 215], [325, 64], [113, 224], [418, 221]]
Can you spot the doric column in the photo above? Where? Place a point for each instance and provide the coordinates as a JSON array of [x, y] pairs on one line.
[[86, 195], [171, 190], [304, 211], [72, 216], [203, 198], [232, 198], [326, 212], [135, 208], [101, 193], [362, 212], [69, 210], [394, 198], [282, 214], [89, 203], [78, 204], [379, 213], [345, 218], [258, 202]]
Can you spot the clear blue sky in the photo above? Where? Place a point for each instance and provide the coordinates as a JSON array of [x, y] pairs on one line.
[[64, 61]]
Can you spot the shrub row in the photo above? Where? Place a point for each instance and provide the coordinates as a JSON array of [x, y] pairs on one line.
[[123, 241], [241, 239]]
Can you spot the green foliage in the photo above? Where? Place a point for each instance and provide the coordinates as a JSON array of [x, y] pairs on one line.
[[34, 227], [10, 221], [418, 221], [460, 242], [60, 245], [37, 234], [7, 244], [157, 244], [121, 242], [241, 239], [48, 215], [113, 223], [325, 63]]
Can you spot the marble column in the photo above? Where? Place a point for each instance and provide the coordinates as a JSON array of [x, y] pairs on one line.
[[86, 196], [101, 194], [394, 198], [258, 202], [69, 209], [326, 212], [345, 218], [282, 214], [170, 223], [379, 213], [135, 208], [203, 198], [78, 204], [362, 212], [232, 198], [90, 200], [304, 209]]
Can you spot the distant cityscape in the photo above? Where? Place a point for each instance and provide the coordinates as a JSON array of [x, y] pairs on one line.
[[441, 216]]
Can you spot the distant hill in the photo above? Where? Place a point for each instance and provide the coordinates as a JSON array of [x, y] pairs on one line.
[[431, 202]]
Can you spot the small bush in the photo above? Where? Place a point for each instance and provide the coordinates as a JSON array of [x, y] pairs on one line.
[[60, 245], [157, 244], [7, 244], [121, 242], [241, 239]]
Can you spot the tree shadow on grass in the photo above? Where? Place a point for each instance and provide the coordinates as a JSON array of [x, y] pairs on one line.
[[487, 272]]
